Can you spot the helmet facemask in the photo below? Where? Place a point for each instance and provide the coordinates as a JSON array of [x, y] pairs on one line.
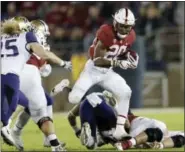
[[123, 22]]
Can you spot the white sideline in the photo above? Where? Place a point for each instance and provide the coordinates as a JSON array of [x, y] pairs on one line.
[[146, 110]]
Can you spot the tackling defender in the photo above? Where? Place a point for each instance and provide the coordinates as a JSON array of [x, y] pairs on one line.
[[111, 42], [101, 122], [42, 32], [17, 45]]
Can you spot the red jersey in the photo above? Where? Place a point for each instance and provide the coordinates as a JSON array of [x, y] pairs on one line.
[[36, 61], [115, 46]]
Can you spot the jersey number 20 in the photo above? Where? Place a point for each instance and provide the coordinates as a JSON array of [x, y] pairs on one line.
[[9, 45]]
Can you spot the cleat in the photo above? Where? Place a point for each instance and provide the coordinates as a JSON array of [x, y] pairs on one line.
[[7, 137], [100, 141], [59, 87], [58, 148], [118, 146], [85, 137], [17, 139]]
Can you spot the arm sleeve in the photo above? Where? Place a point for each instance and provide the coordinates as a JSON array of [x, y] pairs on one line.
[[30, 37], [104, 35]]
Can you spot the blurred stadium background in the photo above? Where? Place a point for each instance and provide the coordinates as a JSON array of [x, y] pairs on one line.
[[159, 79]]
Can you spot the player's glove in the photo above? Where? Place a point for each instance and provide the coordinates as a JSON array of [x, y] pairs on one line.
[[124, 64], [66, 64], [133, 61], [45, 70]]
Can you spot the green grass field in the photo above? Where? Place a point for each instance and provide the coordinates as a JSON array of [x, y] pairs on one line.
[[33, 138]]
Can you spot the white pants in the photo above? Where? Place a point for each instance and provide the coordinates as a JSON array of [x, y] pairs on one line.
[[31, 86], [106, 78], [140, 124]]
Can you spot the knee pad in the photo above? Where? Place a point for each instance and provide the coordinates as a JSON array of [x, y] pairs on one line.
[[154, 134], [43, 120], [93, 99], [178, 141]]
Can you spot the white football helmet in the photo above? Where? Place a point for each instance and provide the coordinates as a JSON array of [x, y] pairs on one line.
[[123, 22], [23, 22], [41, 30]]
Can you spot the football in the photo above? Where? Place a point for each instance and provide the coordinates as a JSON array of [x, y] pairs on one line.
[[124, 56]]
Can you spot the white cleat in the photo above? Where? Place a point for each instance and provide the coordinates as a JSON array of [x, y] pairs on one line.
[[85, 137], [58, 148], [120, 133], [118, 146], [7, 137], [100, 141], [59, 87], [17, 138]]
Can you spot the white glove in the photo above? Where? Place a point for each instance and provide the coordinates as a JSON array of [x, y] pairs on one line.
[[45, 70], [134, 62], [66, 64], [124, 64]]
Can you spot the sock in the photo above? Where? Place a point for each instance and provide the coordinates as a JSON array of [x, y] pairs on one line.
[[21, 121], [133, 141], [53, 140], [87, 115]]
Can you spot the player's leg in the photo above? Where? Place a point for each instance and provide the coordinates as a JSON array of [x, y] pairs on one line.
[[38, 104], [21, 121], [10, 91], [50, 102], [73, 113], [88, 125], [122, 92], [88, 77]]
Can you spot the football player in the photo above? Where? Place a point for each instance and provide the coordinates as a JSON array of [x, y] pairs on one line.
[[17, 46], [111, 43], [101, 117], [41, 31], [99, 125], [152, 133]]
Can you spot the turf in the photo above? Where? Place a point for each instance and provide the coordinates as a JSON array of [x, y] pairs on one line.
[[33, 138]]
